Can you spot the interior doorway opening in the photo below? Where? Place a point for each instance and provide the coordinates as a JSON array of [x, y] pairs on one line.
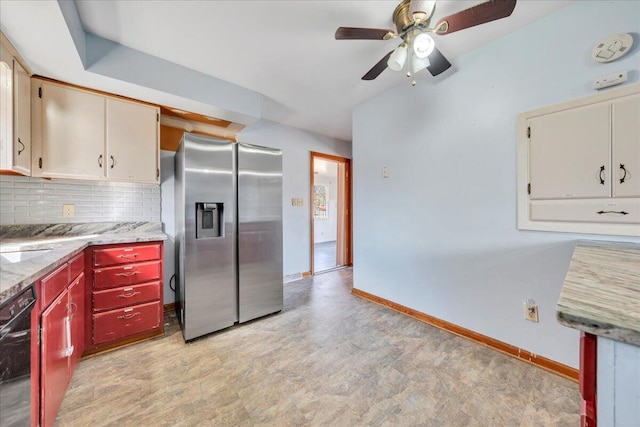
[[330, 212]]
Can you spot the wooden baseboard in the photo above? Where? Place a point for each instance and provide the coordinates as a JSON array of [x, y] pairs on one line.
[[524, 355], [170, 307], [306, 274]]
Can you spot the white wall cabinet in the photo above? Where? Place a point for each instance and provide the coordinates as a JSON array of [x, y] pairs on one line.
[[132, 141], [579, 165], [626, 147], [15, 111], [85, 135]]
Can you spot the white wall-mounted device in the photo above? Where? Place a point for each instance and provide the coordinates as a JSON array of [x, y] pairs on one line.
[[612, 48], [610, 80]]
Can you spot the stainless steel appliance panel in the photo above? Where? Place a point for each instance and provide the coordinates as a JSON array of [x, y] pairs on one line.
[[210, 264], [259, 231], [15, 359], [179, 231]]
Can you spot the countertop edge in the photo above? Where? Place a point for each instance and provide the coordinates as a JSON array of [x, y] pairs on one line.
[[69, 250]]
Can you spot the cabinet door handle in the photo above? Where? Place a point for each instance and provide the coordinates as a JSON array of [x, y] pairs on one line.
[[625, 174], [20, 150], [113, 162], [129, 295], [67, 328], [74, 308], [602, 174], [133, 273], [129, 316], [613, 212], [128, 256], [100, 160]]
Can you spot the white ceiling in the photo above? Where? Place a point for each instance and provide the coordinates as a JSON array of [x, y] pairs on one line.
[[284, 50]]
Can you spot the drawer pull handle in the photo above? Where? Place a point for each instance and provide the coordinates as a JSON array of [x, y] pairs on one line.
[[128, 256], [133, 273], [129, 316], [613, 212], [602, 174], [129, 295]]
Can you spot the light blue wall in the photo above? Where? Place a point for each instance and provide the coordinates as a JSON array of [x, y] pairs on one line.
[[439, 235]]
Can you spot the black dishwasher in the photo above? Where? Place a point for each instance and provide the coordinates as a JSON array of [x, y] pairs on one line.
[[15, 358]]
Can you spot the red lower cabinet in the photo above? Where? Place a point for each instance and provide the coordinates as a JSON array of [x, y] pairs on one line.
[[126, 294], [588, 371], [54, 375], [121, 323], [61, 324]]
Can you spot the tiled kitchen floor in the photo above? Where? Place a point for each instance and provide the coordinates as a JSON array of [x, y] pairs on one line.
[[324, 256], [329, 358]]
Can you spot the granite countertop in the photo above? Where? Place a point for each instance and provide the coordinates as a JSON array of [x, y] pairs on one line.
[[601, 292], [62, 241]]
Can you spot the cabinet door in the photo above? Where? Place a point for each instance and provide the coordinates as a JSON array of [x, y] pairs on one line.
[[132, 141], [54, 375], [72, 133], [21, 120], [77, 313], [626, 147], [569, 153]]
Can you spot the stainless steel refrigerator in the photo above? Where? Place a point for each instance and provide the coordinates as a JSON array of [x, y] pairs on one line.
[[228, 215]]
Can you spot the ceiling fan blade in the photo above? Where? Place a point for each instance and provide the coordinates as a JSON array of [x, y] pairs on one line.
[[438, 63], [476, 15], [351, 33], [378, 68]]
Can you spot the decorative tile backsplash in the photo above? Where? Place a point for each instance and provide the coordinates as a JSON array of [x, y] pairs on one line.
[[25, 200]]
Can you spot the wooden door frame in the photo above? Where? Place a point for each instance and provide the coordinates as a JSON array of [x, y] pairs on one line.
[[348, 199]]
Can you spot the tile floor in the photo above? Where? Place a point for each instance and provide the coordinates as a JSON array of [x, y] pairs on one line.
[[329, 358], [324, 256]]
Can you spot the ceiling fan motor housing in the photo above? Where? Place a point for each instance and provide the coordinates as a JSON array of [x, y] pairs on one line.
[[401, 17]]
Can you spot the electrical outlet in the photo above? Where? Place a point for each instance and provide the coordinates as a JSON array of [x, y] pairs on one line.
[[294, 202], [531, 312], [300, 201], [68, 211], [385, 172]]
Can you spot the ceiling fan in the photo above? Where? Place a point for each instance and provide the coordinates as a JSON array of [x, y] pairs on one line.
[[412, 19]]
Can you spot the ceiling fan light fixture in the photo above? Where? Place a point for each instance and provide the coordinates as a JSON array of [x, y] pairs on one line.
[[418, 64], [398, 58], [423, 45]]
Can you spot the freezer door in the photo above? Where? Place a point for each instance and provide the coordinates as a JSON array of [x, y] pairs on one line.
[[209, 282], [259, 231]]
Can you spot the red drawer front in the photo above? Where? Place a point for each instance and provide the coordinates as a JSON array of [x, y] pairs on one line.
[[112, 277], [125, 254], [76, 266], [126, 296], [54, 284], [116, 324]]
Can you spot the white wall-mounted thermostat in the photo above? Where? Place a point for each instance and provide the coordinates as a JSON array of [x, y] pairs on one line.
[[612, 48]]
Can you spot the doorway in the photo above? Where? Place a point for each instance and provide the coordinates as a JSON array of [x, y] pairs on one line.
[[330, 212]]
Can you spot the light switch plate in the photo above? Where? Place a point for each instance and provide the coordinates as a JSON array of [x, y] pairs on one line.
[[68, 211]]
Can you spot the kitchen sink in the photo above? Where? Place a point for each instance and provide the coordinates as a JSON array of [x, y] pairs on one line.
[[18, 256]]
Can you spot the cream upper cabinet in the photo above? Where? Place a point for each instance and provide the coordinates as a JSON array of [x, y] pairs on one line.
[[72, 144], [626, 147], [85, 135], [21, 119], [15, 113], [579, 165], [569, 153], [132, 141]]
